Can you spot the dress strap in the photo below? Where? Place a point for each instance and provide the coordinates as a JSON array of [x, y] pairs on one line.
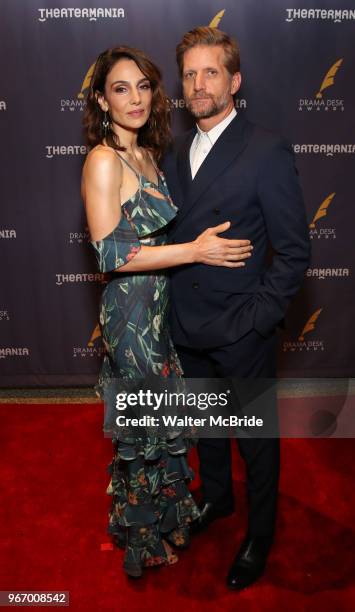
[[153, 162], [129, 165]]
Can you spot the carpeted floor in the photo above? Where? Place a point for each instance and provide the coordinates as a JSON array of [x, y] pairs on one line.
[[54, 516]]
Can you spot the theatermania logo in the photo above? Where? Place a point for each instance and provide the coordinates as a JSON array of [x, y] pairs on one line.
[[7, 233], [65, 150], [93, 348], [332, 14], [14, 351], [327, 149], [322, 232], [89, 14], [82, 277], [179, 103], [320, 101], [304, 342], [323, 273], [78, 102]]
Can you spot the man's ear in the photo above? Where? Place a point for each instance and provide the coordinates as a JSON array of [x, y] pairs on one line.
[[101, 102], [236, 82]]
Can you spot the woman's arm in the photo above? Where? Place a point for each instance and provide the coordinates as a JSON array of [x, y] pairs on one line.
[[101, 184], [208, 249], [102, 180]]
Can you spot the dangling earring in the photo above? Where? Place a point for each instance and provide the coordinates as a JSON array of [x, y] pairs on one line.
[[105, 124]]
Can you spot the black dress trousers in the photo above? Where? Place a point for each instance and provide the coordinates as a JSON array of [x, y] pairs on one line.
[[251, 357]]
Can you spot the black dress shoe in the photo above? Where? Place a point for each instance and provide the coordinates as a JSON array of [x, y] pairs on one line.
[[249, 564], [209, 512]]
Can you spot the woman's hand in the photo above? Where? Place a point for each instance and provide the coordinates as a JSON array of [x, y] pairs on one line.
[[212, 250]]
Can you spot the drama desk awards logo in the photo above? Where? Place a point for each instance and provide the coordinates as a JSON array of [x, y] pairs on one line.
[[304, 342], [320, 101], [93, 348], [79, 237], [78, 103], [322, 232]]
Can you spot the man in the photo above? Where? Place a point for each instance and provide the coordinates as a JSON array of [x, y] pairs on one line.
[[224, 321]]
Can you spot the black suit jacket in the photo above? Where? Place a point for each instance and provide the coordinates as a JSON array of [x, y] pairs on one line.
[[248, 178]]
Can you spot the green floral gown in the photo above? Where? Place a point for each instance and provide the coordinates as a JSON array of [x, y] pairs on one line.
[[149, 477]]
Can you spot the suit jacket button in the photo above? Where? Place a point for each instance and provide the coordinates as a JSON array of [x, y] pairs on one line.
[[216, 211], [195, 285]]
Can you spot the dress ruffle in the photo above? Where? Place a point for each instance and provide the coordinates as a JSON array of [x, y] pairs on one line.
[[151, 209], [149, 497]]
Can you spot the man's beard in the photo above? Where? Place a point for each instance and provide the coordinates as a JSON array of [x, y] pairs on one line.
[[217, 106]]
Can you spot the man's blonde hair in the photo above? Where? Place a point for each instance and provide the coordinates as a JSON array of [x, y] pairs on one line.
[[204, 35]]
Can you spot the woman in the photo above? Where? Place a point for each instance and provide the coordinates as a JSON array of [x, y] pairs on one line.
[[128, 208]]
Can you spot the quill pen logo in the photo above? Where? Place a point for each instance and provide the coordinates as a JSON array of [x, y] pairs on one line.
[[93, 347], [320, 102], [322, 210], [216, 19], [323, 232], [78, 103], [301, 344], [86, 82], [95, 334], [310, 325], [328, 80]]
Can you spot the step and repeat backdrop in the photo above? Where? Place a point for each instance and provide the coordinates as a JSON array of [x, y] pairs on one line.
[[298, 68]]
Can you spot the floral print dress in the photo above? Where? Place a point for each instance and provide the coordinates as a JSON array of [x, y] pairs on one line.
[[149, 476]]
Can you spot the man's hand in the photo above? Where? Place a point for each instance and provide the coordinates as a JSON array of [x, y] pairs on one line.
[[215, 251]]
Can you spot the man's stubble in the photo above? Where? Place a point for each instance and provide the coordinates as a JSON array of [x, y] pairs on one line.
[[217, 105]]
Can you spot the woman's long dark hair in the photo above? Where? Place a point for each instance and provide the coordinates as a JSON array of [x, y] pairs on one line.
[[155, 134]]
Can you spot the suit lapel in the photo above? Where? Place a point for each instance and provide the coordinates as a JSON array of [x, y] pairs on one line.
[[229, 145], [183, 164]]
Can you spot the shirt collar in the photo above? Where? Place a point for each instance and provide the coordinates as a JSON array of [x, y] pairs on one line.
[[214, 133]]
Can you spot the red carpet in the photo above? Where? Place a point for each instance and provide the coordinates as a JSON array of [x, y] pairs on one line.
[[54, 518]]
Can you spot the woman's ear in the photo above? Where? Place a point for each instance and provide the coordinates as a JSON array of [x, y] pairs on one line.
[[101, 102]]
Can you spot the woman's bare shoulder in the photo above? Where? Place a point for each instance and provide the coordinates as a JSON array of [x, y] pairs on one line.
[[102, 160], [101, 154]]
